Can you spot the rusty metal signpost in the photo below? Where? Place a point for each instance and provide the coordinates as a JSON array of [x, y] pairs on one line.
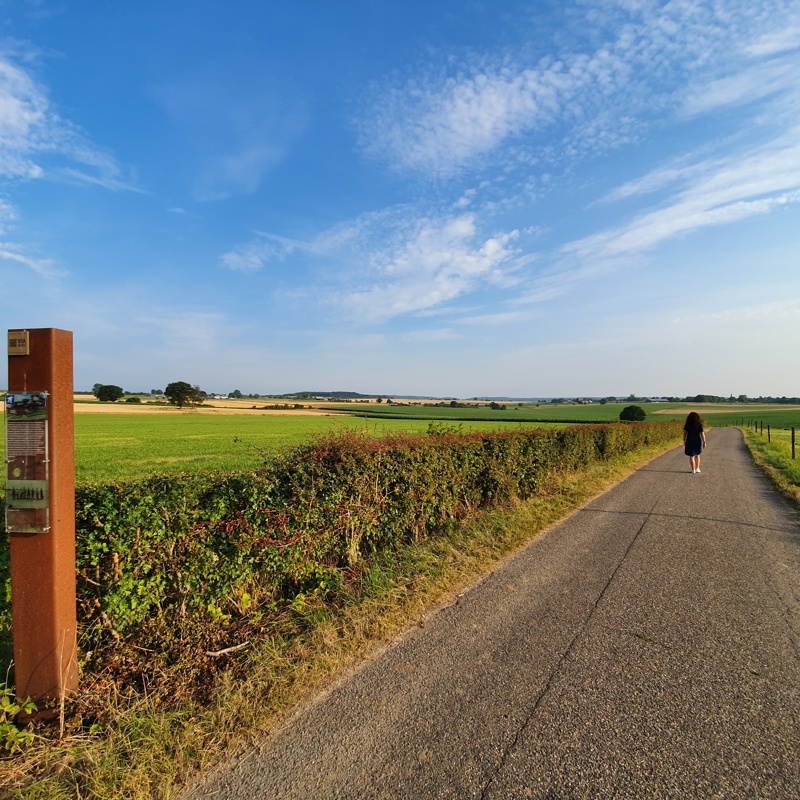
[[40, 511]]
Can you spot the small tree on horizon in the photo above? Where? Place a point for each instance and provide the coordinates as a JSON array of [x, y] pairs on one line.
[[180, 393], [107, 392], [632, 414]]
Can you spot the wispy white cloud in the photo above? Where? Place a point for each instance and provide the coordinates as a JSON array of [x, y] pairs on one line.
[[656, 180], [437, 261], [25, 126], [353, 236], [108, 179], [429, 335], [554, 284], [779, 311], [15, 252], [751, 83], [720, 191], [238, 172], [728, 333], [42, 266], [648, 61], [235, 137], [186, 330], [7, 216], [266, 248], [494, 320], [37, 144], [32, 134], [778, 41], [442, 124], [394, 262]]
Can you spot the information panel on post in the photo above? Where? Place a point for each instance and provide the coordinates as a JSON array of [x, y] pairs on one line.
[[27, 462]]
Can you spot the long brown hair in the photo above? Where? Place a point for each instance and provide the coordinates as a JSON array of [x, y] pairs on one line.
[[693, 420]]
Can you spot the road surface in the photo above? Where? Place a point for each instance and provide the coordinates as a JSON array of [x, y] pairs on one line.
[[646, 647]]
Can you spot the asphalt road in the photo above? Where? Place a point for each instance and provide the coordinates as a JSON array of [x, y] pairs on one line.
[[646, 647]]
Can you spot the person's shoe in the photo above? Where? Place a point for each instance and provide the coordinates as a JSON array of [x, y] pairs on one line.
[[697, 471]]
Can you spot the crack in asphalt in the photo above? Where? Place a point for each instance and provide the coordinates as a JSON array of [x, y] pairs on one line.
[[569, 648]]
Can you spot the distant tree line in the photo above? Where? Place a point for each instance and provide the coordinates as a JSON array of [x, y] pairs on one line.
[[181, 393], [742, 398], [178, 393]]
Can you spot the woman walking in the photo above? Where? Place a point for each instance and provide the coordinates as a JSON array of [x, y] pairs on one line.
[[694, 440]]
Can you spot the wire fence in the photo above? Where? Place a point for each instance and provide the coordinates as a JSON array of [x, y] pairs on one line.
[[780, 435], [786, 436]]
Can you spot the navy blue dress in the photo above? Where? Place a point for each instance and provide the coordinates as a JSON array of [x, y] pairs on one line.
[[694, 440]]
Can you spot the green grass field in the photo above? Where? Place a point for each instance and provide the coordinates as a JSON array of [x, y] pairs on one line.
[[778, 420], [773, 454], [525, 412], [119, 446], [777, 445], [714, 414]]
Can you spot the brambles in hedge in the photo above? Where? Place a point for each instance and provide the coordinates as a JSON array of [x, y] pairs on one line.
[[197, 542]]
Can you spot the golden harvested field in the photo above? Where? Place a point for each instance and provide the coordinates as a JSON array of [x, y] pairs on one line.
[[704, 409], [86, 404]]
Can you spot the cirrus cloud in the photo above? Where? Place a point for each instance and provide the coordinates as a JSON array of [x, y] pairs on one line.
[[646, 62], [438, 261]]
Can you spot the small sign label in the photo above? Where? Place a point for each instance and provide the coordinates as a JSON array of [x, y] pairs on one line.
[[27, 462], [27, 494], [18, 343]]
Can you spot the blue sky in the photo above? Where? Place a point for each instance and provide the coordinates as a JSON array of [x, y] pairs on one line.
[[404, 197]]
